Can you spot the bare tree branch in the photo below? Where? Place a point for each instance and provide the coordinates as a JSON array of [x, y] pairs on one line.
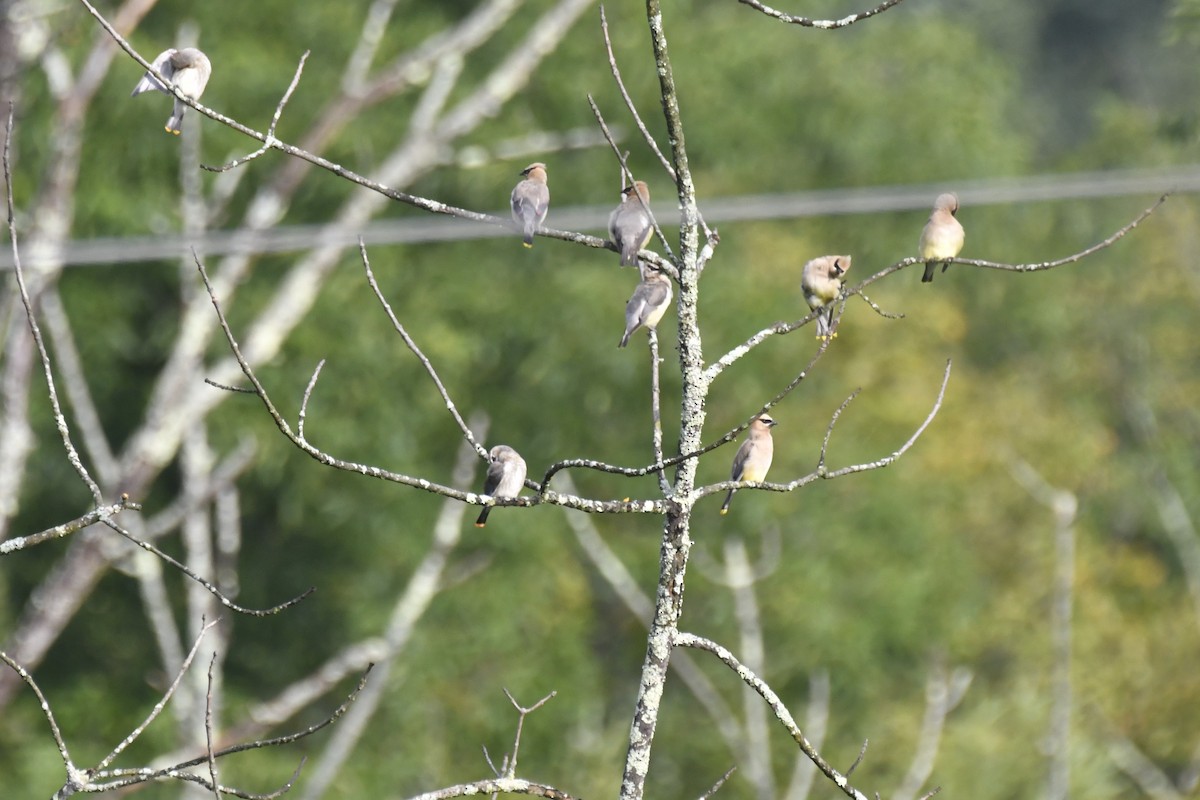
[[67, 528], [822, 473], [780, 710], [495, 786], [824, 24]]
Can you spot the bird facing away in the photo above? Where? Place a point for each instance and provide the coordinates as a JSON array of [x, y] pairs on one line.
[[530, 201], [753, 458], [187, 70], [629, 225], [942, 237], [505, 477], [648, 304], [821, 283]]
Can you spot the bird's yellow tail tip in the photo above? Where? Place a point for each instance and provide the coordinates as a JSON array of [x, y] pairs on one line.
[[724, 511], [527, 244], [480, 524]]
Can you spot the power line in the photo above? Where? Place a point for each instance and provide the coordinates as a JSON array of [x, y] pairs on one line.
[[795, 205]]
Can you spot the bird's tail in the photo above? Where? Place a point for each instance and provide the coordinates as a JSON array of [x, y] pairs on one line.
[[728, 500], [930, 267], [483, 515], [625, 339]]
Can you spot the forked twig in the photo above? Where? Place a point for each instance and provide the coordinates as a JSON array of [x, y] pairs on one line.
[[822, 473], [283, 101]]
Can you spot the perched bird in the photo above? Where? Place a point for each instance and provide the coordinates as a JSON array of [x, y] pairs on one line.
[[629, 225], [753, 458], [505, 477], [942, 237], [187, 70], [821, 283], [531, 200], [648, 304]]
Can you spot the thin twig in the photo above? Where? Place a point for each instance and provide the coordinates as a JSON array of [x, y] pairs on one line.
[[622, 158], [212, 589], [720, 782], [656, 412], [824, 24], [308, 390], [633, 112], [511, 767], [780, 710], [208, 735], [425, 362], [47, 712], [495, 786], [829, 430], [60, 420], [862, 752]]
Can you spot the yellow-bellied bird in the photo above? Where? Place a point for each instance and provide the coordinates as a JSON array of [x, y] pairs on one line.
[[821, 283], [648, 304], [187, 70], [942, 237], [505, 477], [531, 200], [753, 458], [629, 225]]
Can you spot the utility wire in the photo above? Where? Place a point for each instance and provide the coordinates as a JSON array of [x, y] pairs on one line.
[[828, 202]]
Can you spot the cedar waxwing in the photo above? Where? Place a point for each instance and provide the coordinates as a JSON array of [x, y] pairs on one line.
[[531, 200], [942, 237], [629, 225], [821, 283], [753, 458], [187, 69], [505, 477], [648, 304]]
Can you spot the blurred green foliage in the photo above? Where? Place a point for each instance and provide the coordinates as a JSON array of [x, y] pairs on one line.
[[942, 553]]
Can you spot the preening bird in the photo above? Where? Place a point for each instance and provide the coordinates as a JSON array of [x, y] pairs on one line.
[[753, 458], [505, 477], [821, 283], [187, 70], [530, 201], [942, 237], [648, 304], [629, 225]]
